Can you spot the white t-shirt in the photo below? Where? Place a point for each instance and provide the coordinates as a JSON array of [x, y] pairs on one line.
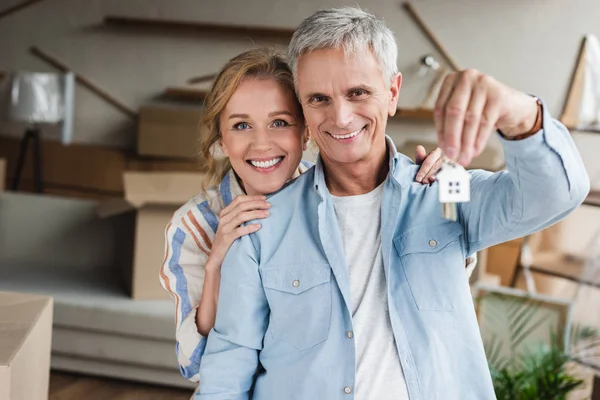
[[378, 370]]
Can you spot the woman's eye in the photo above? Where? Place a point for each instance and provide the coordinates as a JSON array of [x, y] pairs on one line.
[[280, 123], [241, 126]]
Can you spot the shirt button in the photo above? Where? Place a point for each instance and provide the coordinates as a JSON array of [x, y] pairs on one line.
[[296, 283], [350, 334], [347, 390], [432, 243]]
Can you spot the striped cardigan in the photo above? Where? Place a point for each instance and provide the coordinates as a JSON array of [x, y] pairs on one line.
[[188, 242]]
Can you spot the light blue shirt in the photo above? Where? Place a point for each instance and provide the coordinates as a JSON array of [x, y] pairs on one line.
[[284, 306]]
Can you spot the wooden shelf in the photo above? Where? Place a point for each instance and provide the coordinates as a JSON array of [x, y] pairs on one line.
[[197, 27], [185, 93], [593, 198], [191, 93], [424, 114]]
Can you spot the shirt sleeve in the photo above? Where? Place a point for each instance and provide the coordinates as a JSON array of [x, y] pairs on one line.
[[231, 357], [182, 276], [544, 181]]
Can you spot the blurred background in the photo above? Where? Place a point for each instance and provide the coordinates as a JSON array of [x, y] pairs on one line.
[[99, 114]]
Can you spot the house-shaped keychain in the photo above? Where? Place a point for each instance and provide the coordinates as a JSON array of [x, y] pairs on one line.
[[454, 184]]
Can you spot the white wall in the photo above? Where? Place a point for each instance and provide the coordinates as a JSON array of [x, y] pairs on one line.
[[531, 45]]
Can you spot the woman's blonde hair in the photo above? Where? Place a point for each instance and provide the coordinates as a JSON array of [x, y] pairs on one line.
[[263, 63]]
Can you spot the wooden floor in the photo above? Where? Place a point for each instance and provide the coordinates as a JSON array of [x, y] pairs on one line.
[[66, 386]]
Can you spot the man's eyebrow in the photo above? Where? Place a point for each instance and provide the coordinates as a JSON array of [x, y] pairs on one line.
[[360, 87]]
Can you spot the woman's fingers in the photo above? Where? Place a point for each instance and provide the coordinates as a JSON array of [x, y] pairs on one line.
[[243, 207], [428, 166], [238, 201]]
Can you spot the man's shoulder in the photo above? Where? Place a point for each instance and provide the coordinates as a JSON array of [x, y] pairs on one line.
[[406, 169], [295, 187]]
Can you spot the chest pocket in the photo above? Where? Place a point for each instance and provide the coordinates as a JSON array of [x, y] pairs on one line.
[[299, 296], [433, 261]]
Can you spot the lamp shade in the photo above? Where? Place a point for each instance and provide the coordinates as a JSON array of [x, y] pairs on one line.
[[36, 98], [42, 98]]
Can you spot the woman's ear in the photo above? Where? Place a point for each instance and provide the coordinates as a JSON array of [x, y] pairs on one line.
[[223, 148]]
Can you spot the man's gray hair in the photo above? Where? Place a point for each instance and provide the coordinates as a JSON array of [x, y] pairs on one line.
[[348, 28]]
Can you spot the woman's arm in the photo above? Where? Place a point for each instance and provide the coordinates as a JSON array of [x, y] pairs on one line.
[[241, 210]]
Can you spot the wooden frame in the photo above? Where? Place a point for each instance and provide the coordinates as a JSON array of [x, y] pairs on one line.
[[561, 307]]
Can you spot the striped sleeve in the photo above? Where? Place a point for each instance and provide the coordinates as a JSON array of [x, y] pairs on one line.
[[188, 239]]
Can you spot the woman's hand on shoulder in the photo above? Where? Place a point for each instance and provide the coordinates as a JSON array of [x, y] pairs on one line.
[[242, 209], [430, 164]]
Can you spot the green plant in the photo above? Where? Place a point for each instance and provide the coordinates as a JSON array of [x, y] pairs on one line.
[[527, 359], [543, 374]]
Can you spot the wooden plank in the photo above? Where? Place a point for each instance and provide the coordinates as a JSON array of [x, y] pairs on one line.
[[202, 78], [65, 386], [84, 81], [197, 27], [17, 7], [593, 198], [418, 113], [430, 35], [570, 115], [185, 93]]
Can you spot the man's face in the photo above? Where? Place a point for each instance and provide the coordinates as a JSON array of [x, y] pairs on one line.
[[346, 103]]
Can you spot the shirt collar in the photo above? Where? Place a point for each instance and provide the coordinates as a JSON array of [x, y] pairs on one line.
[[319, 181]]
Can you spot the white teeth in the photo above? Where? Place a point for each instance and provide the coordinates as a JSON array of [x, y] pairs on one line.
[[266, 164], [347, 136]]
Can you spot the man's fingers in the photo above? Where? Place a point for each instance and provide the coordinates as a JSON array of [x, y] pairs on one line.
[[454, 114], [489, 118], [440, 104], [471, 124]]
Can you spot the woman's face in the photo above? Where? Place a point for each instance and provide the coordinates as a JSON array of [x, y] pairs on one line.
[[263, 135]]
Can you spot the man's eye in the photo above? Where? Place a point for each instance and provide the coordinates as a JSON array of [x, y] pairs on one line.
[[317, 99], [241, 126], [359, 93], [280, 123]]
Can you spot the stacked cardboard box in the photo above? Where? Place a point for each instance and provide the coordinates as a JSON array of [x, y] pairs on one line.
[[2, 174], [26, 333], [169, 130]]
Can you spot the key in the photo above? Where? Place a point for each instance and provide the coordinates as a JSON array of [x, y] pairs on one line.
[[454, 186]]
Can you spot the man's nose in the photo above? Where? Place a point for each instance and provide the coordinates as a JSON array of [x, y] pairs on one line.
[[342, 114]]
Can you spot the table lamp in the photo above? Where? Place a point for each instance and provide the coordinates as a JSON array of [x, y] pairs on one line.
[[37, 99]]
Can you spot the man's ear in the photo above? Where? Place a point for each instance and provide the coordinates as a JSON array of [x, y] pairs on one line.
[[306, 138], [394, 94]]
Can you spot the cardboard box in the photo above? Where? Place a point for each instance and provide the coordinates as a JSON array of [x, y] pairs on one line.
[[169, 131], [25, 346], [154, 197], [502, 260], [490, 159], [2, 174], [84, 171]]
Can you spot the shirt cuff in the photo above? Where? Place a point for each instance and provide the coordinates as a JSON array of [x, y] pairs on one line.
[[535, 146]]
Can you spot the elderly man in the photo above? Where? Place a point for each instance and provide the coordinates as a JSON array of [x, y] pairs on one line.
[[355, 285]]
